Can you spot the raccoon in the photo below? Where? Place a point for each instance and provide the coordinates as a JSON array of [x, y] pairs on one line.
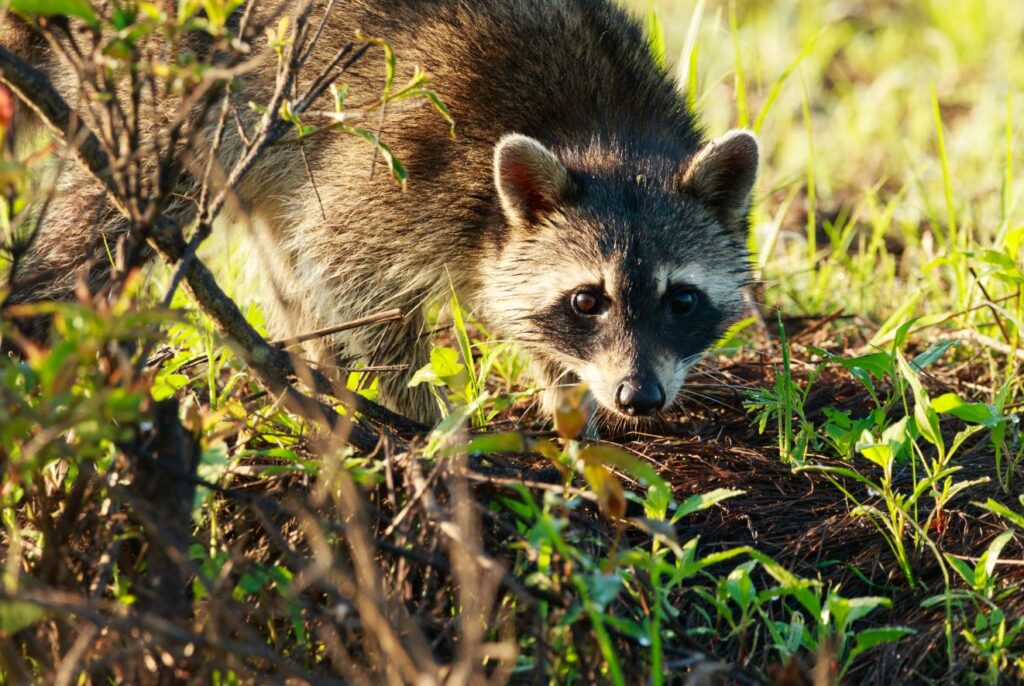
[[579, 212]]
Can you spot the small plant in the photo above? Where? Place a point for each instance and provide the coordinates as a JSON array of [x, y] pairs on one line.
[[785, 404], [883, 441], [992, 633], [459, 377], [670, 569]]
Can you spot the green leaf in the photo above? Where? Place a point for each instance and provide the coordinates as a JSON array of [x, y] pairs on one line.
[[657, 503], [52, 8], [604, 588], [425, 374], [975, 413], [213, 464], [858, 608], [435, 100], [878, 452], [996, 258], [869, 638], [928, 482], [249, 584], [926, 418], [167, 385], [961, 568], [880, 364], [740, 586], [702, 501], [801, 589], [445, 362], [398, 171], [656, 35], [840, 471], [987, 563], [688, 567], [444, 369], [16, 615], [507, 442], [626, 627], [897, 434], [1003, 511], [897, 326], [932, 354], [123, 17], [462, 338], [450, 426]]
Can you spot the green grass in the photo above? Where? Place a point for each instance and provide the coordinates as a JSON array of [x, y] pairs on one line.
[[899, 124]]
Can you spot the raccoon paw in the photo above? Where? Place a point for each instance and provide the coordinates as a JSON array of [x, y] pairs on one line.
[[418, 403]]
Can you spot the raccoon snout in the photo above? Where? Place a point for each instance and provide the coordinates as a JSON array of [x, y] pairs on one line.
[[639, 398]]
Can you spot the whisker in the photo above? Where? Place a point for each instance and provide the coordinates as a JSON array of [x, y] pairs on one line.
[[683, 396], [723, 381], [693, 395]]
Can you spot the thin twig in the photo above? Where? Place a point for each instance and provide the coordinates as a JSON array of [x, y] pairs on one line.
[[991, 306], [112, 615], [35, 90], [989, 342], [380, 317], [316, 36]]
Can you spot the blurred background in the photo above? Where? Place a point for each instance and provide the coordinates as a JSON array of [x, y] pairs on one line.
[[889, 132]]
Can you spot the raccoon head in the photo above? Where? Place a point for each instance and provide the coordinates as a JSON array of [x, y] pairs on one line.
[[620, 270]]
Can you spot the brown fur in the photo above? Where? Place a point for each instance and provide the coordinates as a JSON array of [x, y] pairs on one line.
[[575, 75]]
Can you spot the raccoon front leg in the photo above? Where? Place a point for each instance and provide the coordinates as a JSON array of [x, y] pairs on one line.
[[405, 345]]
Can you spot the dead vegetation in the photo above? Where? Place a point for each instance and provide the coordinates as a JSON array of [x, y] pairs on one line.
[[322, 567]]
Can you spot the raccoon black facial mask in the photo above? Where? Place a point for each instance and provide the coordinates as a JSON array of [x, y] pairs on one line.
[[624, 270]]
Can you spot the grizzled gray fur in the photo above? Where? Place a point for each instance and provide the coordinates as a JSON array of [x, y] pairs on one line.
[[579, 211]]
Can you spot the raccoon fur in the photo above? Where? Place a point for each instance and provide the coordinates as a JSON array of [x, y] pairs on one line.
[[579, 211]]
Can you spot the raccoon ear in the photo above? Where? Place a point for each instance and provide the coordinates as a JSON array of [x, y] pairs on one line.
[[722, 174], [531, 181]]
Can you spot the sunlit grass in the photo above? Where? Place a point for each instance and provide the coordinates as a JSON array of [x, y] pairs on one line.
[[887, 190], [856, 133]]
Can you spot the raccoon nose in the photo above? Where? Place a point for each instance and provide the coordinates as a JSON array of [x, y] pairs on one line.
[[639, 398]]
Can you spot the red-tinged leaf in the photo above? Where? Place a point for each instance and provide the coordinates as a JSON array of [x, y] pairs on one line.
[[571, 414], [550, 451], [614, 456], [6, 108], [609, 492]]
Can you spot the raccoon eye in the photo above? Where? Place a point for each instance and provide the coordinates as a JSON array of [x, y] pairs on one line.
[[586, 303], [684, 301]]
